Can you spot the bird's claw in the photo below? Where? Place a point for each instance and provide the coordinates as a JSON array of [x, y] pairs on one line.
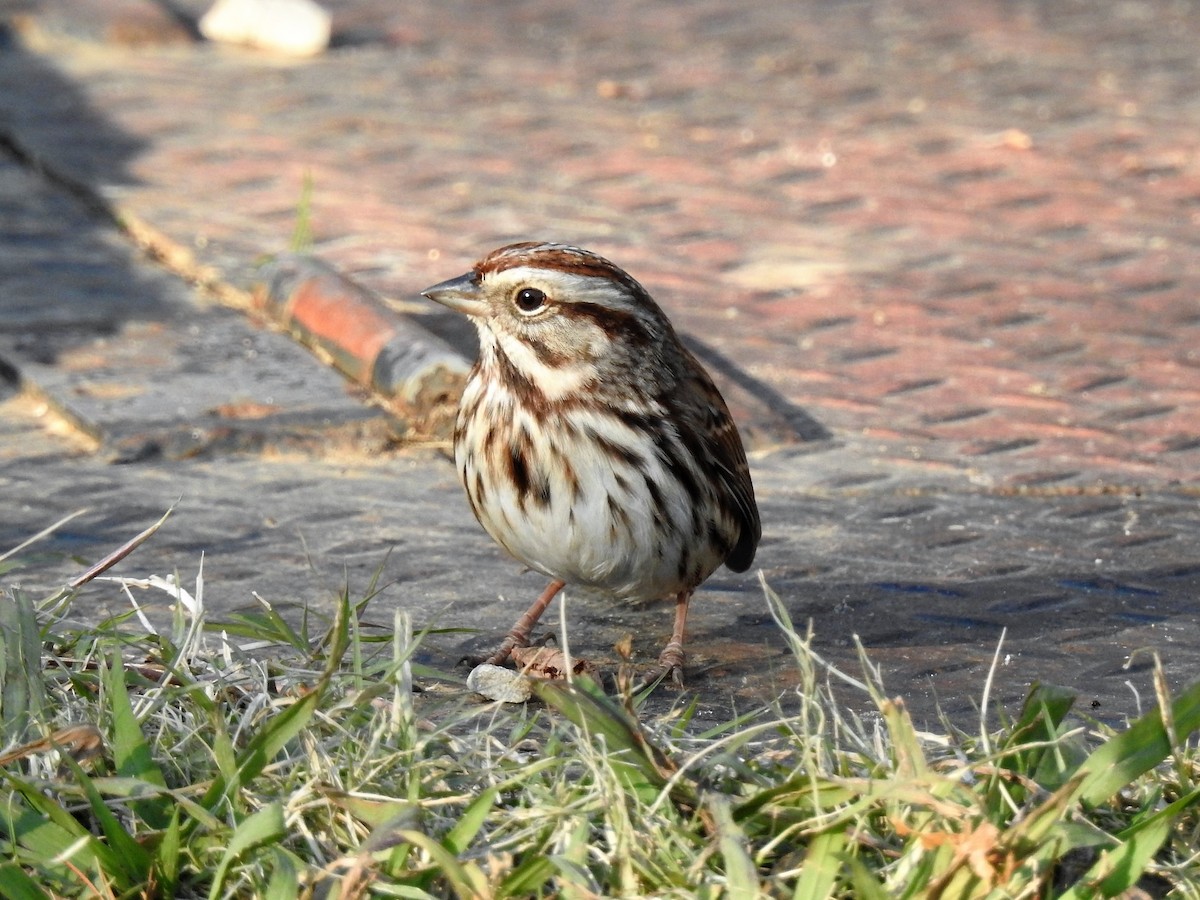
[[671, 661]]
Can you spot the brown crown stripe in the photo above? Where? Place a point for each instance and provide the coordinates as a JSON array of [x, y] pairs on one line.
[[555, 256]]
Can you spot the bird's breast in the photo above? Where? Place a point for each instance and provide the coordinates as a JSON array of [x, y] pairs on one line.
[[579, 494]]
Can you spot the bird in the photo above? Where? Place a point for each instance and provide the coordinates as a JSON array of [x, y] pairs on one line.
[[592, 444]]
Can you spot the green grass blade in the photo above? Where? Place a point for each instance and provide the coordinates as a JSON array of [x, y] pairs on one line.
[[132, 861], [575, 881], [1119, 869], [302, 230], [276, 734], [459, 838], [266, 745], [285, 878], [588, 797], [866, 886], [224, 754], [528, 878], [131, 754], [337, 640], [135, 789], [1044, 709], [910, 758], [1042, 824], [15, 884], [1042, 715], [263, 624], [822, 863], [168, 855], [1137, 750], [49, 832], [741, 874], [466, 879], [640, 764], [796, 799], [22, 693], [263, 827]]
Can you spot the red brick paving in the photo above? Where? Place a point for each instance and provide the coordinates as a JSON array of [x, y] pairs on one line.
[[969, 236]]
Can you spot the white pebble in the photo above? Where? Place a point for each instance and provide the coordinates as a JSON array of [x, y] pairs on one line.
[[294, 27], [499, 683]]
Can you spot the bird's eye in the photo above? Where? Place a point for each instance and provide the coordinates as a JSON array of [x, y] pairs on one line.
[[530, 300]]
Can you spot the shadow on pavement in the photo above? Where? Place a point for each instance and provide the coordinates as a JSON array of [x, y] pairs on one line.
[[66, 275]]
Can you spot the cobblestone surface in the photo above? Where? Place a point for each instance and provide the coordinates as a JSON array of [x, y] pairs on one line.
[[955, 245]]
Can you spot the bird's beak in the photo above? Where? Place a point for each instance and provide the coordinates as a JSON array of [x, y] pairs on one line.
[[461, 294]]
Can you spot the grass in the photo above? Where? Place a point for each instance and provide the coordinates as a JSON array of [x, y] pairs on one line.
[[258, 758]]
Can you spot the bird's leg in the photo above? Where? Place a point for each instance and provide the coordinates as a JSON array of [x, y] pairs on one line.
[[518, 635], [671, 658]]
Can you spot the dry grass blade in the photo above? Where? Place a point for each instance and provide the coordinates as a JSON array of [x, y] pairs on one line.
[[82, 742], [41, 534], [121, 552]]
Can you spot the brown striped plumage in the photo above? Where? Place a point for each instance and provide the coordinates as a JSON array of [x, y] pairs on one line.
[[592, 445]]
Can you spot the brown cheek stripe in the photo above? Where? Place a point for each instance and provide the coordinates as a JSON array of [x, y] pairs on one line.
[[552, 359], [611, 321], [527, 393]]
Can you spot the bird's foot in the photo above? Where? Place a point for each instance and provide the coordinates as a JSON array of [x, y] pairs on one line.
[[512, 642], [518, 635], [671, 661], [504, 651]]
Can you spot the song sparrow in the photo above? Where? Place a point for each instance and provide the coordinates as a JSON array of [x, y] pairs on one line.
[[592, 445]]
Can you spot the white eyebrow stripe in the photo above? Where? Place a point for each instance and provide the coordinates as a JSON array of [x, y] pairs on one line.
[[565, 287]]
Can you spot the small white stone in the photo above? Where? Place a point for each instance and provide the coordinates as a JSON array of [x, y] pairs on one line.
[[294, 27], [499, 683]]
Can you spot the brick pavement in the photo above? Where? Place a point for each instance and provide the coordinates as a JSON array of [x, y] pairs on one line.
[[970, 237], [962, 240]]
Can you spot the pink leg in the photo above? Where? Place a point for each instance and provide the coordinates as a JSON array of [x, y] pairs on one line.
[[671, 658], [518, 635]]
